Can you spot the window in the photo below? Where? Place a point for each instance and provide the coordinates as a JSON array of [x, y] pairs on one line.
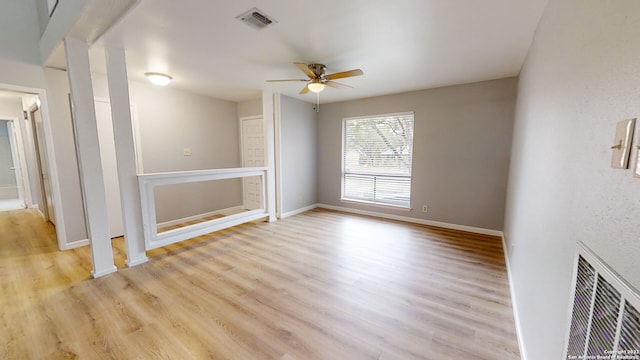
[[376, 159]]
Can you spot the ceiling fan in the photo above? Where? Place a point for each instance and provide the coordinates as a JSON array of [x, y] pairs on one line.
[[318, 79]]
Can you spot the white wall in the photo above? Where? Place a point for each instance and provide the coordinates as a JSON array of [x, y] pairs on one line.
[[461, 150], [581, 76], [65, 153], [298, 143]]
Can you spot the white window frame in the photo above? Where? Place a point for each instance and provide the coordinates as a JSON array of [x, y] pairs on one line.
[[383, 204]]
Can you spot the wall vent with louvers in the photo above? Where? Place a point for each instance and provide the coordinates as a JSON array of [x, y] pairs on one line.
[[255, 18], [604, 317]]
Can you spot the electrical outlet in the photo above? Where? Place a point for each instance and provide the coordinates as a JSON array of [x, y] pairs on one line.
[[186, 151], [425, 208]]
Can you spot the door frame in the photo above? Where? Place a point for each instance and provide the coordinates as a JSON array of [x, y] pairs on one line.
[[41, 94]]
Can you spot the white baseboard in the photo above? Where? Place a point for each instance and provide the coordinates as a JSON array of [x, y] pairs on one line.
[[514, 302], [75, 244], [108, 271], [298, 211], [136, 262], [227, 211], [414, 220]]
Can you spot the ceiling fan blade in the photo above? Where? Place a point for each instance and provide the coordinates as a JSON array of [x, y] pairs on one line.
[[288, 80], [344, 74], [305, 69], [337, 85], [304, 90]]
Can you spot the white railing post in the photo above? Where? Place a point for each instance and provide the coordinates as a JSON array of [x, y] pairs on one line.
[[125, 156], [89, 161]]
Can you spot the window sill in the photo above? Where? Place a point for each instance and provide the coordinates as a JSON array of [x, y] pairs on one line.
[[376, 204]]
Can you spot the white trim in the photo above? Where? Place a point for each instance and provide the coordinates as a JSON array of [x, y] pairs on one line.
[[299, 211], [153, 239], [270, 189], [96, 274], [514, 302], [472, 229], [76, 244], [227, 211], [343, 155], [277, 123], [50, 154], [376, 204]]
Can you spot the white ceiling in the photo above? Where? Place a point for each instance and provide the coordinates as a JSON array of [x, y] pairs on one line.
[[401, 45]]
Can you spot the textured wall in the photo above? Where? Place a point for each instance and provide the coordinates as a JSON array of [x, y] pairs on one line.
[[581, 77]]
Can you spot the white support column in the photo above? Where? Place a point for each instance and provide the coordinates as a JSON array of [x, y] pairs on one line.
[[88, 150], [125, 156], [267, 113]]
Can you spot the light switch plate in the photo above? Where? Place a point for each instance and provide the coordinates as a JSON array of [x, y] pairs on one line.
[[186, 151], [622, 144]]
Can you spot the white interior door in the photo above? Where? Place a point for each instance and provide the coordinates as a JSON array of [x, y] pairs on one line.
[[253, 155], [109, 167], [46, 203]]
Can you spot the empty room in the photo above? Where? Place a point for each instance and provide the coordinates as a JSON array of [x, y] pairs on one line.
[[298, 180]]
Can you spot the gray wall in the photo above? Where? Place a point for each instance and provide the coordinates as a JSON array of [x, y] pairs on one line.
[[580, 78], [19, 31], [461, 150], [171, 120], [250, 108], [298, 127]]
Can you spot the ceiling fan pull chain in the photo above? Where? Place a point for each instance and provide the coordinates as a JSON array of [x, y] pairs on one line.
[[317, 102]]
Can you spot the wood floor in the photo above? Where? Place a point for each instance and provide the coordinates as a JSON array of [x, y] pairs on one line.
[[319, 285]]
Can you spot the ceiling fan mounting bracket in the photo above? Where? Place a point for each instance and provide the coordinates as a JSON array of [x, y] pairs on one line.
[[318, 69]]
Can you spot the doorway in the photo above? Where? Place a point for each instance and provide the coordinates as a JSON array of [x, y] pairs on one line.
[[11, 189]]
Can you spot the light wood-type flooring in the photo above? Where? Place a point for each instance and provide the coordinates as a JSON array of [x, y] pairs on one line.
[[318, 285]]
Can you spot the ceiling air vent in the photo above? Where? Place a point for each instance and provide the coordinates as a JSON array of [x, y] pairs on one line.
[[255, 18]]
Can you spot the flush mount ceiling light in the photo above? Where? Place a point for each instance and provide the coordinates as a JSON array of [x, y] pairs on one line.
[[159, 79], [315, 86]]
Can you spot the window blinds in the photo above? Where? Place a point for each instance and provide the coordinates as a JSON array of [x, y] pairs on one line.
[[377, 158]]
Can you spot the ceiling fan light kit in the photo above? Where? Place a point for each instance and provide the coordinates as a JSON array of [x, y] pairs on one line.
[[318, 80], [316, 86]]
